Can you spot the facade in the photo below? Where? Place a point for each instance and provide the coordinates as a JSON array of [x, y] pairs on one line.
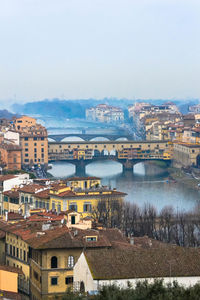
[[105, 113], [10, 156], [186, 154], [9, 279], [33, 141], [21, 123]]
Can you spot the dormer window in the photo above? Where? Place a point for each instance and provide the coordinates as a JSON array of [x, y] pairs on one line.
[[91, 238]]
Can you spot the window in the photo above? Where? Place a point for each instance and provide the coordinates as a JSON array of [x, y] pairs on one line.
[[13, 250], [10, 249], [35, 144], [54, 280], [73, 206], [26, 154], [42, 138], [54, 262], [17, 252], [35, 155], [24, 255], [35, 138], [42, 149], [26, 144], [26, 160], [70, 261], [35, 149], [26, 149], [91, 239], [35, 275], [87, 207], [26, 138], [69, 280]]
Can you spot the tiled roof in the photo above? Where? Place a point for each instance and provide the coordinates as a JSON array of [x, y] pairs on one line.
[[7, 177], [82, 178], [43, 194], [31, 188], [172, 261], [10, 295], [12, 193], [11, 269]]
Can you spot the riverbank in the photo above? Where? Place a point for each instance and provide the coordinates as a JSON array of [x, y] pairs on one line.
[[184, 178]]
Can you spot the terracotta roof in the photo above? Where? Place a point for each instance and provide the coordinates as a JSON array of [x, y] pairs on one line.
[[12, 193], [2, 234], [82, 178], [43, 194], [31, 188], [7, 177], [14, 216], [10, 295], [11, 269], [143, 263]]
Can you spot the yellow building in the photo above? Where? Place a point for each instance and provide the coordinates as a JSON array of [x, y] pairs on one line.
[[11, 201], [83, 196], [83, 182], [17, 254], [9, 277], [45, 251]]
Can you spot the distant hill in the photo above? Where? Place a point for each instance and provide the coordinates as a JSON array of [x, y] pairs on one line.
[[76, 108], [64, 108], [4, 113]]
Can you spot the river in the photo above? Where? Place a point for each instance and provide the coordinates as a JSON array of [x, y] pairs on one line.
[[145, 184]]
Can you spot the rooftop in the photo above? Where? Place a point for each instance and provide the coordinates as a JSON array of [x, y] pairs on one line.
[[171, 261]]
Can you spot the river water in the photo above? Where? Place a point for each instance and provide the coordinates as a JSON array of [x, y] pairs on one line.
[[145, 184]]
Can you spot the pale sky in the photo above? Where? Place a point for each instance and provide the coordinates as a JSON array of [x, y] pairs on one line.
[[76, 49]]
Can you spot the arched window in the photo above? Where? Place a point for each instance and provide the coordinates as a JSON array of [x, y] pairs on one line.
[[54, 262], [70, 261]]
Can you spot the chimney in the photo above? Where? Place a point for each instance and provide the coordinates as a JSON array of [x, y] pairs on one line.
[[6, 216]]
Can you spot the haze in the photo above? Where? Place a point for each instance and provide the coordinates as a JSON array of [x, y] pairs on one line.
[[108, 48]]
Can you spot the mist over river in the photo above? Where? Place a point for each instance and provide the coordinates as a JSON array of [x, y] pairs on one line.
[[145, 184]]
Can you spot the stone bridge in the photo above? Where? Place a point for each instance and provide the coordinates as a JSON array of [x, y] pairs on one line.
[[89, 137]]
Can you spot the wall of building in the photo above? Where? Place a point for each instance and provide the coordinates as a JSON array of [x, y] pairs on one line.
[[8, 281]]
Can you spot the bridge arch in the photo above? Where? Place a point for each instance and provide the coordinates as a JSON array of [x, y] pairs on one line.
[[99, 139], [51, 140], [122, 139], [73, 138]]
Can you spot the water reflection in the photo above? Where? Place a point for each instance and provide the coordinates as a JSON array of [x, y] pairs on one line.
[[145, 184]]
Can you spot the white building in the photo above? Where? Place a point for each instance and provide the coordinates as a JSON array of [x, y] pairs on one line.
[[105, 114], [8, 182], [12, 136], [100, 267]]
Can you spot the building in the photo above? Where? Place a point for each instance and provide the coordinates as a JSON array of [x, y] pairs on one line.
[[105, 113], [186, 154], [46, 250], [80, 194], [84, 199], [10, 156], [126, 266], [21, 123], [9, 277], [10, 182], [33, 141]]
